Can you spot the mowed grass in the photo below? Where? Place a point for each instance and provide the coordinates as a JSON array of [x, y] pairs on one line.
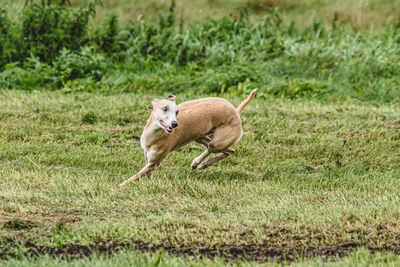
[[305, 175]]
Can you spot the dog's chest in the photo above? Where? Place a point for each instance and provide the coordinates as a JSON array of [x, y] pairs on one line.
[[146, 141], [151, 136]]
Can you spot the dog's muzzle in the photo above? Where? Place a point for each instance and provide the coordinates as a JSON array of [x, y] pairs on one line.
[[174, 124], [166, 127]]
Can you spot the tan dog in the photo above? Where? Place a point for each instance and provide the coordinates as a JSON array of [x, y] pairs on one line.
[[212, 121]]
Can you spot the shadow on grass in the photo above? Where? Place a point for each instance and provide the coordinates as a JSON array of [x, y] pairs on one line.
[[213, 175]]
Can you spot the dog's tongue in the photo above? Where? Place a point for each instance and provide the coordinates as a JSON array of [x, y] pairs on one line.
[[166, 126]]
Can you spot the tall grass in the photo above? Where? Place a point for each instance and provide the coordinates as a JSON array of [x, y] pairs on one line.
[[52, 46]]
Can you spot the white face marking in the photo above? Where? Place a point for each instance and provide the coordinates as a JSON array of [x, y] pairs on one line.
[[166, 113]]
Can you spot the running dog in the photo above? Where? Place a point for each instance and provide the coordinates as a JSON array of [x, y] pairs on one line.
[[213, 122]]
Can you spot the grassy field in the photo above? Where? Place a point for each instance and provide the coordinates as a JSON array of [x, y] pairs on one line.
[[309, 178], [315, 179]]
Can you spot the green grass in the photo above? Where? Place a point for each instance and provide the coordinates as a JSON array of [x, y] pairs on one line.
[[306, 174]]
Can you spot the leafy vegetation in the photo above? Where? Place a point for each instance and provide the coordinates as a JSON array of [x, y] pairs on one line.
[[211, 56]]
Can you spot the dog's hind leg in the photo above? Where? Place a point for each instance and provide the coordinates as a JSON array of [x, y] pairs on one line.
[[200, 158], [204, 141], [222, 139], [216, 158]]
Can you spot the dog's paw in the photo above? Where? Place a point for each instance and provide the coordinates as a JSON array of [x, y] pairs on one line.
[[194, 164], [201, 166]]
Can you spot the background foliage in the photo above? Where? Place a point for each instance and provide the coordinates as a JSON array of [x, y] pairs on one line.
[[53, 45]]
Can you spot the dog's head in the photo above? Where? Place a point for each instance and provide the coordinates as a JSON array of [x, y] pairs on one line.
[[164, 113]]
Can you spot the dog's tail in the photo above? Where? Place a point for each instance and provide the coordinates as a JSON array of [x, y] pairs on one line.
[[248, 99]]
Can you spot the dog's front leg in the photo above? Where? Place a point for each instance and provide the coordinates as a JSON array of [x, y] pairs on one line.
[[148, 168], [152, 160]]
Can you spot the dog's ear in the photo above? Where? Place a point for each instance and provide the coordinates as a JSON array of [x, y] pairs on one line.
[[155, 101], [171, 98]]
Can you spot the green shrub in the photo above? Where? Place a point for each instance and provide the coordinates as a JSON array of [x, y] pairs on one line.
[[106, 36], [47, 28], [299, 88], [14, 77], [8, 40], [52, 46], [70, 68], [72, 65]]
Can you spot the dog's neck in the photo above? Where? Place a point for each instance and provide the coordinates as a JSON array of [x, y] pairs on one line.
[[152, 133]]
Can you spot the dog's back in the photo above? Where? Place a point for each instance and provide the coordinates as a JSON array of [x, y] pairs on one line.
[[199, 117]]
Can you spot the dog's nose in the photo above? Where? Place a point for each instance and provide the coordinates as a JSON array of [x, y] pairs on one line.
[[174, 124]]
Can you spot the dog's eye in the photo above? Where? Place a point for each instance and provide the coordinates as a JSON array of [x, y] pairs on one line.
[[164, 108], [177, 112]]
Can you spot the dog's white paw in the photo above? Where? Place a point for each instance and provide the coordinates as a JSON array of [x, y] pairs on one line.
[[194, 164]]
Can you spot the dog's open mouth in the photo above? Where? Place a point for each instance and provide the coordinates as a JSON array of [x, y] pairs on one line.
[[166, 127]]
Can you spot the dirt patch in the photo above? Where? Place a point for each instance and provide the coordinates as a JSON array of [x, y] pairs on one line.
[[259, 253], [33, 220], [18, 224]]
